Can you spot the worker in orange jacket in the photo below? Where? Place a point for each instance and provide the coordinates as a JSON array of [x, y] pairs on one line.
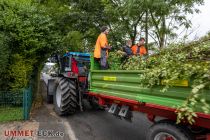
[[102, 47], [139, 48]]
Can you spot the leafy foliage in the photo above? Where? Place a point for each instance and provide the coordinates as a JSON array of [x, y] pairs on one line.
[[28, 38], [178, 63], [126, 18], [20, 71], [73, 41], [115, 60], [4, 53]]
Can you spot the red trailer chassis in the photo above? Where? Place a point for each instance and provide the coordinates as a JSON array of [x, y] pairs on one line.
[[152, 110]]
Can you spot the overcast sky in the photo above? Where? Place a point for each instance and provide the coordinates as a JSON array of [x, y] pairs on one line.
[[201, 21]]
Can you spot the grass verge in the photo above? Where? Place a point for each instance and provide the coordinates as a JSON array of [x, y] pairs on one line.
[[11, 114]]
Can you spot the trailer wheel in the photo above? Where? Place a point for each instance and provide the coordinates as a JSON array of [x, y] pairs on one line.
[[168, 131], [65, 98]]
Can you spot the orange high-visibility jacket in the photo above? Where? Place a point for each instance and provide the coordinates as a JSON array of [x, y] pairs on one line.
[[142, 51], [101, 42]]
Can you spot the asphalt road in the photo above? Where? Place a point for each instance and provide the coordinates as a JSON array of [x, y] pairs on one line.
[[101, 125]]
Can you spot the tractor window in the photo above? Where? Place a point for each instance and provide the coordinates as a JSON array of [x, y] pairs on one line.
[[67, 62], [83, 64]]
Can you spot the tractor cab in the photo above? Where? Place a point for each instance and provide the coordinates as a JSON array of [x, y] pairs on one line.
[[75, 64]]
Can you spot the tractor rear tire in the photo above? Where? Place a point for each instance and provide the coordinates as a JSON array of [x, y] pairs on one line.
[[65, 98]]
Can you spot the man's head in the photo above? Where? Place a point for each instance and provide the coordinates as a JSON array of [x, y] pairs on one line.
[[105, 29], [129, 43], [141, 41]]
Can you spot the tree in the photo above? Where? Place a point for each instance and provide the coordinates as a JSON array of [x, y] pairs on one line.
[[134, 18], [168, 16], [4, 59], [29, 37]]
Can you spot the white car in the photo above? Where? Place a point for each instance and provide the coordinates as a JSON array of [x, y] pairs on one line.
[[49, 70]]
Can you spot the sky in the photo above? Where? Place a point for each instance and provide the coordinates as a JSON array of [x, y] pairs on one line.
[[201, 21]]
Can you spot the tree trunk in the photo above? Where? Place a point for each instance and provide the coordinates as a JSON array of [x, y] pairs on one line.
[[146, 31], [162, 33]]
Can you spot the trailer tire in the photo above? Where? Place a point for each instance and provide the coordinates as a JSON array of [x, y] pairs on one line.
[[168, 130], [65, 98]]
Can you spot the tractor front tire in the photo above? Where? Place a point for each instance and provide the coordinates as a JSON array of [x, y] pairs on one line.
[[65, 98]]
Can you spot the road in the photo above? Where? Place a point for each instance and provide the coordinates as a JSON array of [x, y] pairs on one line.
[[101, 125]]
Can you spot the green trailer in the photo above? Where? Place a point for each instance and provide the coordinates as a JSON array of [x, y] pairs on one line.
[[121, 90], [125, 84]]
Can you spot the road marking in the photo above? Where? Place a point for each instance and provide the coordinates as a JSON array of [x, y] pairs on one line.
[[67, 126], [69, 130]]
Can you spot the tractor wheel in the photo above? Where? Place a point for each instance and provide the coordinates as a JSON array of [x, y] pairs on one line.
[[65, 98], [168, 131]]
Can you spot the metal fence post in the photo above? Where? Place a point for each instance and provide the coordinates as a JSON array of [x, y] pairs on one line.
[[25, 104]]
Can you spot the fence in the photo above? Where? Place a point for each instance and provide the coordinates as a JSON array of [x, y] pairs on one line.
[[27, 102], [15, 105]]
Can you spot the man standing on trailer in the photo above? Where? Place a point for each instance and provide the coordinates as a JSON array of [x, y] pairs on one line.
[[102, 47]]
